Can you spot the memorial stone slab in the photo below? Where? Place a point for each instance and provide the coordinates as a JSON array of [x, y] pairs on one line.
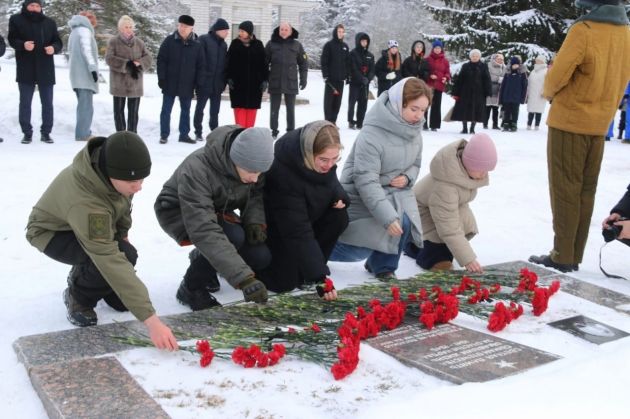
[[573, 286], [589, 329], [92, 388], [458, 354]]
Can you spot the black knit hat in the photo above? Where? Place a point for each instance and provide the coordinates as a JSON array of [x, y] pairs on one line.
[[220, 25], [186, 20], [127, 156], [27, 2], [247, 26]]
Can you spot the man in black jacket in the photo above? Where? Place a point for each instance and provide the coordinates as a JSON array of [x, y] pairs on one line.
[[361, 73], [180, 65], [215, 53], [35, 39], [335, 62]]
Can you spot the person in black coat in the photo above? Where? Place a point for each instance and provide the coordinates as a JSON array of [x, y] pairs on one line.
[[335, 62], [215, 54], [361, 74], [305, 206], [247, 74], [512, 93], [471, 88], [180, 70], [287, 59], [620, 216], [417, 66], [389, 67], [35, 39]]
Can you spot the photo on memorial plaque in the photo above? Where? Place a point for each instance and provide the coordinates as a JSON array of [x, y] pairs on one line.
[[588, 329]]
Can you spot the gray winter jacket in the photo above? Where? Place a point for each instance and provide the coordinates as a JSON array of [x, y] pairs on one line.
[[119, 52], [83, 54], [205, 185], [386, 147], [443, 196], [497, 71]]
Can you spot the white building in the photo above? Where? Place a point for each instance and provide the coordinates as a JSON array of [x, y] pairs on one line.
[[265, 14]]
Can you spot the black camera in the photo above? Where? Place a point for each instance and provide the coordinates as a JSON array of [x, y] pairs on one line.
[[612, 232]]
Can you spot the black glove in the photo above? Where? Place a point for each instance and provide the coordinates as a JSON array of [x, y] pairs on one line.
[[133, 70], [255, 233], [263, 86], [253, 290], [161, 83], [230, 83], [302, 84], [95, 76], [365, 81]]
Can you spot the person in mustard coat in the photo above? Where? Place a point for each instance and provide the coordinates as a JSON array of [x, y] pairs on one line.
[[585, 84]]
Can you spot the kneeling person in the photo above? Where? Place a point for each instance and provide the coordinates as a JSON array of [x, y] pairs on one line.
[[456, 172], [197, 204], [83, 219]]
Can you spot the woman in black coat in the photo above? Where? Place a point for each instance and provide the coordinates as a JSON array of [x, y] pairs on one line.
[[305, 206], [247, 74], [471, 88], [417, 66]]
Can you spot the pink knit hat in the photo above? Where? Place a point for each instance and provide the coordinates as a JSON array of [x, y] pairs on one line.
[[480, 155]]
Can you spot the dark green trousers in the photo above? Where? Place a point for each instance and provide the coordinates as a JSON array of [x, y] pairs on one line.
[[573, 162]]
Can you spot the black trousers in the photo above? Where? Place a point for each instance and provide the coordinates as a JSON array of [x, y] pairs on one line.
[[285, 273], [531, 116], [215, 107], [358, 96], [510, 113], [332, 102], [133, 104], [289, 102], [435, 116], [86, 283], [257, 257], [494, 110], [430, 254]]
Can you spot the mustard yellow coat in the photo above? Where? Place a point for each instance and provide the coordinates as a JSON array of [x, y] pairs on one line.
[[588, 77]]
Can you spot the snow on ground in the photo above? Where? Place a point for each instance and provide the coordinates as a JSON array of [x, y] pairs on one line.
[[514, 220]]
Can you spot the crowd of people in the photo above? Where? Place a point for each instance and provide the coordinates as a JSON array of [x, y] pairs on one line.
[[268, 215]]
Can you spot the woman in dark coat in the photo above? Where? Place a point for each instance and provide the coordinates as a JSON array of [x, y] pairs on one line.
[[247, 74], [305, 206], [417, 66], [471, 88], [388, 67]]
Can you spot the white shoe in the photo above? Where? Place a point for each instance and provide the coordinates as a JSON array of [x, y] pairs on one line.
[[529, 127]]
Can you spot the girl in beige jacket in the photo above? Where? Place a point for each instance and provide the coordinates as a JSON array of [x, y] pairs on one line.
[[456, 172]]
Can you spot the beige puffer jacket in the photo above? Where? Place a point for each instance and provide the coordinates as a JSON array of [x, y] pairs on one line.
[[443, 196]]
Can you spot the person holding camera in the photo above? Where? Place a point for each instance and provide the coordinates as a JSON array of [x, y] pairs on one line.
[[617, 224]]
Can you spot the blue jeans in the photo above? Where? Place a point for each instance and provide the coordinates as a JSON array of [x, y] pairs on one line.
[[377, 262], [184, 116], [26, 98], [85, 110]]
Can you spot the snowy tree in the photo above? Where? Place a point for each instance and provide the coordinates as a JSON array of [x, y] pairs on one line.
[[154, 19], [522, 27]]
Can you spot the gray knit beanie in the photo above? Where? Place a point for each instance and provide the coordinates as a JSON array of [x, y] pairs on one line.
[[252, 150]]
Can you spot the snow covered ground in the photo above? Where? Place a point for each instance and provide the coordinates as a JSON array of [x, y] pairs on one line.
[[514, 220]]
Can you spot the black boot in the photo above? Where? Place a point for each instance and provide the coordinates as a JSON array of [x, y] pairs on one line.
[[472, 127], [546, 260], [464, 129], [200, 273], [78, 314], [199, 299], [46, 138], [27, 139]]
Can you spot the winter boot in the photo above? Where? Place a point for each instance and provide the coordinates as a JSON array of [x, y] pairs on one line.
[[46, 138], [77, 314], [445, 265], [513, 127], [546, 260], [199, 299], [472, 128], [27, 139], [163, 140], [198, 137], [186, 139], [274, 133], [201, 273], [351, 125]]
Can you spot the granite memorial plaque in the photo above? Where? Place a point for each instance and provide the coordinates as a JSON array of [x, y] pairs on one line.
[[458, 354], [588, 329]]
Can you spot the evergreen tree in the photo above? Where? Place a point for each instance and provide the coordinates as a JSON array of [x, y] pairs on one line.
[[520, 27]]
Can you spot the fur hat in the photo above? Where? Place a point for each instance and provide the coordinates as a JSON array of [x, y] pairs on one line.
[[186, 20], [220, 25], [480, 154], [252, 150], [127, 156], [247, 26], [437, 43], [392, 44]]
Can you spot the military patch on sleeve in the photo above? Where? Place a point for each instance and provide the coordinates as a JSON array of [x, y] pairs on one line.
[[99, 226]]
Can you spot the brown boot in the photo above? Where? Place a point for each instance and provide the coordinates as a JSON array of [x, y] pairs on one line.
[[444, 265]]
